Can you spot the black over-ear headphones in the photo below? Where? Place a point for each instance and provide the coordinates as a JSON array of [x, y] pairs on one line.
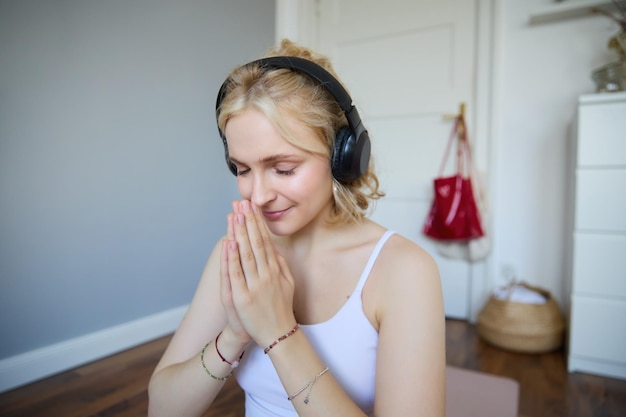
[[351, 153]]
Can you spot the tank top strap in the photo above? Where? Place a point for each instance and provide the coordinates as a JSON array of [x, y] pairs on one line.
[[372, 259]]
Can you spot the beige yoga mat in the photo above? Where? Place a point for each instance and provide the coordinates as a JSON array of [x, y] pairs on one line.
[[476, 394]]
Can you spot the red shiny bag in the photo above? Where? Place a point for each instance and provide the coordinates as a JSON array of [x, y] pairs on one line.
[[454, 214]]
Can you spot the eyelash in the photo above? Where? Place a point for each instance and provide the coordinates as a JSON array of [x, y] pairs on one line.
[[287, 172], [278, 171], [241, 172]]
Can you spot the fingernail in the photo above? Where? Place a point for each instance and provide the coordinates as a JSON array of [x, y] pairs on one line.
[[246, 205], [254, 208], [240, 218], [232, 245]]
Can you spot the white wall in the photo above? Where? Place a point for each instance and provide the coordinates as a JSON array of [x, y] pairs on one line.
[[542, 69]]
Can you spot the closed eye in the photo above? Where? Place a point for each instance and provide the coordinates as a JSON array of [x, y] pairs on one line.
[[281, 164], [242, 171], [284, 172]]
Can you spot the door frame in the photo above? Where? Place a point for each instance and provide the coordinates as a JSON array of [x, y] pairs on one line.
[[298, 20]]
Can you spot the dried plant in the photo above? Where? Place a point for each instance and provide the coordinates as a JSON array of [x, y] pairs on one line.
[[618, 16], [617, 42]]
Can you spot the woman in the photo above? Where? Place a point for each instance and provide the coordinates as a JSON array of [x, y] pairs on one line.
[[316, 309]]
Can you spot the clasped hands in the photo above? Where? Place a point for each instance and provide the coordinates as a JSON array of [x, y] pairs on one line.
[[257, 287]]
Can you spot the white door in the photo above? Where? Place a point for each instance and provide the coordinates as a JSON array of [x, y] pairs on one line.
[[406, 63]]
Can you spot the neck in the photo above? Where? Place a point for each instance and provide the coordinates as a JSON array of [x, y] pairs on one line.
[[320, 236]]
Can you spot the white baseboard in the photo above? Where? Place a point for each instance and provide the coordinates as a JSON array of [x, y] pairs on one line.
[[39, 363], [596, 367]]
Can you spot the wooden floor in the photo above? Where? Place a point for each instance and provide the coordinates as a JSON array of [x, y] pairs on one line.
[[116, 386]]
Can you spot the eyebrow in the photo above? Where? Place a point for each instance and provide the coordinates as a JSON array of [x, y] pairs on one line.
[[270, 158]]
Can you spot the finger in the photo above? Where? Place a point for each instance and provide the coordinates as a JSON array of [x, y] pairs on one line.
[[251, 249], [231, 218], [225, 288], [268, 245], [236, 275], [230, 232], [259, 246], [243, 243]]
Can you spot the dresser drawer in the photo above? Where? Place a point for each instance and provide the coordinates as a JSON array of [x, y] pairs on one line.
[[602, 132], [598, 329], [601, 200], [599, 264]]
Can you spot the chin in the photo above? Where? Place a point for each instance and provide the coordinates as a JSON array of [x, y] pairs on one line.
[[280, 230]]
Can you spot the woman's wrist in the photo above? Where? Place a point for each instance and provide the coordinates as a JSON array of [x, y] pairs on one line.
[[280, 338], [233, 362], [229, 346]]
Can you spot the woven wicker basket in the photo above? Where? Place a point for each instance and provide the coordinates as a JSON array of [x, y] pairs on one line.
[[522, 327]]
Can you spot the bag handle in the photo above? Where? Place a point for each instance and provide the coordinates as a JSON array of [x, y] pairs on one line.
[[463, 147], [449, 145], [464, 141]]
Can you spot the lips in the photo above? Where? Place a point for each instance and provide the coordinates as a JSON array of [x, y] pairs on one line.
[[275, 215]]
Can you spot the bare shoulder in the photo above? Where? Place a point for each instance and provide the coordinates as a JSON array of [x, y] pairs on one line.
[[403, 262], [405, 279]]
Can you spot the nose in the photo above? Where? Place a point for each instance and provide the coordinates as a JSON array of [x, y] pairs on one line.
[[259, 190]]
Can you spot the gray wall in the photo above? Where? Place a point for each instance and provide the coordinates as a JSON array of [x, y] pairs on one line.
[[113, 187]]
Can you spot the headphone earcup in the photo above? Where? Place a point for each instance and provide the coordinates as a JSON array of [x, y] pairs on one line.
[[338, 161], [231, 166], [351, 155]]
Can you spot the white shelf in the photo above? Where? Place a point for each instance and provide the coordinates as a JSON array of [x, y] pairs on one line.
[[602, 97], [567, 10], [598, 290]]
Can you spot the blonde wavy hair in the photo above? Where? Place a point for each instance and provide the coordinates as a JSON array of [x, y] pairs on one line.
[[282, 92]]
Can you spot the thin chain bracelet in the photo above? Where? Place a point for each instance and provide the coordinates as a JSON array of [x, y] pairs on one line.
[[217, 378], [283, 337], [309, 386]]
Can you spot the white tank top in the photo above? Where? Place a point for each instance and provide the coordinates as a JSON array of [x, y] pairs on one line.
[[346, 343]]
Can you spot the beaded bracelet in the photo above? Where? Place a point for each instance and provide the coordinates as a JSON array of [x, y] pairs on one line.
[[217, 378], [233, 364], [280, 339]]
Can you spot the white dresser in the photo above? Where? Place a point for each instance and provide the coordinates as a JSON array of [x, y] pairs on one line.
[[597, 336]]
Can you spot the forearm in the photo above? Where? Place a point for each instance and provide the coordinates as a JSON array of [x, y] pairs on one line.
[[301, 372], [189, 388]]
